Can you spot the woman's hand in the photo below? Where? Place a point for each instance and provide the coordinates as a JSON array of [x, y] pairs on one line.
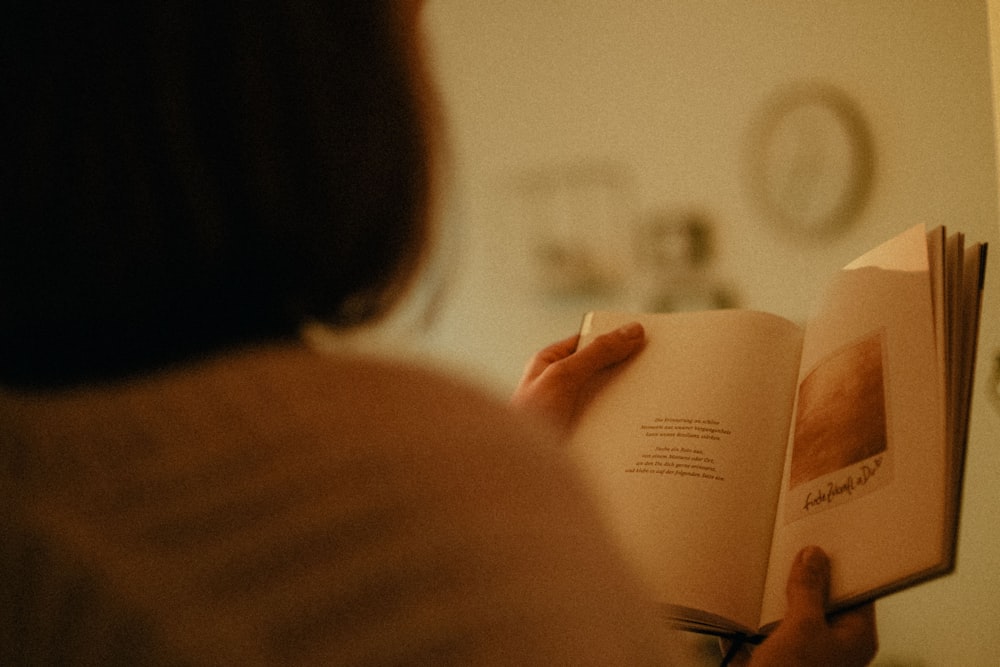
[[553, 381], [807, 637]]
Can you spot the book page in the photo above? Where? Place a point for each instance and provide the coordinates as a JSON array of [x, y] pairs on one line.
[[684, 444], [974, 268], [865, 471], [967, 325]]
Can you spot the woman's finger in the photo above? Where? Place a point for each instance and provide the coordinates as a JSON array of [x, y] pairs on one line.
[[548, 356], [604, 351]]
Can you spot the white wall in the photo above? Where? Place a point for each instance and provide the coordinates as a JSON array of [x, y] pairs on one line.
[[667, 89]]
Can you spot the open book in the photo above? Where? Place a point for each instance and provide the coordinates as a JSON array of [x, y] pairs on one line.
[[735, 438]]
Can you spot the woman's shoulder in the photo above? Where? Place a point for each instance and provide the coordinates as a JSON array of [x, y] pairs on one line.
[[371, 394], [288, 399], [351, 506]]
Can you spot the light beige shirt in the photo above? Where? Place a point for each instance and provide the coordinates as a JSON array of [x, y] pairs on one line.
[[280, 507]]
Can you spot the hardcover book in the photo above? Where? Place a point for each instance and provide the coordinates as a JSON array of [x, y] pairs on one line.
[[735, 438]]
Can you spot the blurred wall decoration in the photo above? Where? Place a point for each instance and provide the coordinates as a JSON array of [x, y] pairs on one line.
[[674, 268], [590, 243], [810, 159], [577, 220]]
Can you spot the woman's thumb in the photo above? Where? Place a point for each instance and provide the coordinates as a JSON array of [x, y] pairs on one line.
[[808, 585]]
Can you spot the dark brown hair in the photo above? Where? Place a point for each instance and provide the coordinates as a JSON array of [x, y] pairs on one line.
[[184, 177]]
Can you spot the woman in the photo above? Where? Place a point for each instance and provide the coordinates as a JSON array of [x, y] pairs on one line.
[[183, 479]]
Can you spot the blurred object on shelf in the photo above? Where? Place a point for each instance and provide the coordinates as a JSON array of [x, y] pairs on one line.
[[578, 225], [674, 253]]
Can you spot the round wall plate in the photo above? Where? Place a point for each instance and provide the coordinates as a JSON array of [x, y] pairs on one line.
[[810, 160]]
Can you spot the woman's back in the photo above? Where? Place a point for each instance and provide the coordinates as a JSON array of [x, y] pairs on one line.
[[276, 506]]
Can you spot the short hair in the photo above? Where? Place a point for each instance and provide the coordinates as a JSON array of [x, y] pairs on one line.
[[185, 177]]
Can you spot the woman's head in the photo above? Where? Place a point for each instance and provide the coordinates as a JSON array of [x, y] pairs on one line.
[[189, 176]]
